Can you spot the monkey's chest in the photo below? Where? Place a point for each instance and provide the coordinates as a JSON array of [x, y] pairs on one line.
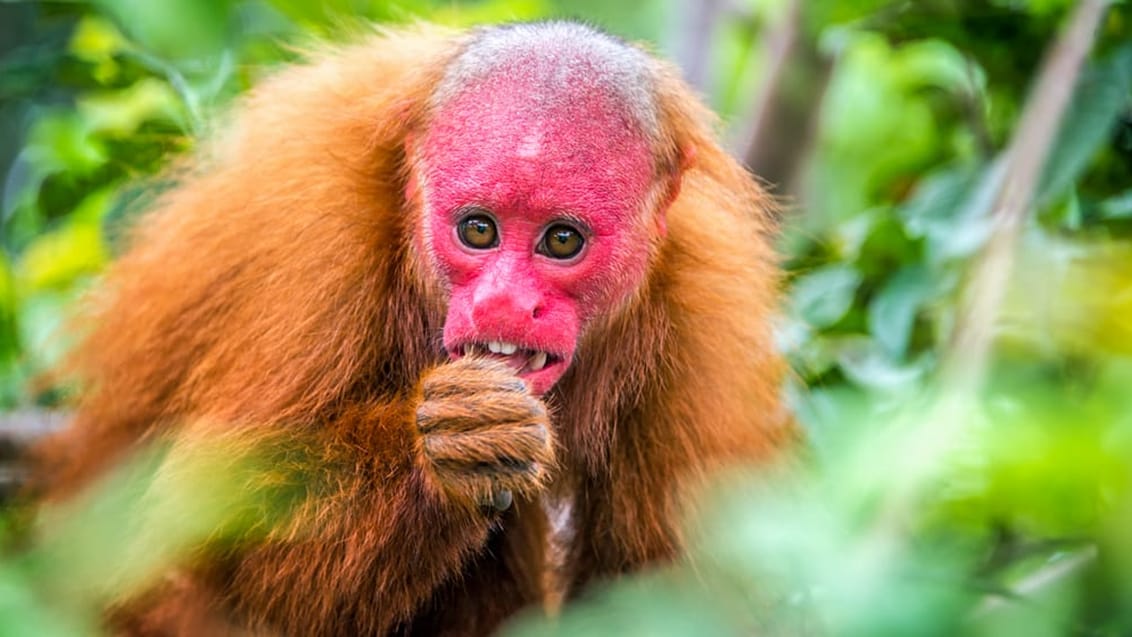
[[559, 510]]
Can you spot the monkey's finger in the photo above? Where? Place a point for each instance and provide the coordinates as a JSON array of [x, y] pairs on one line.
[[501, 500], [480, 411], [507, 447], [491, 492], [471, 375]]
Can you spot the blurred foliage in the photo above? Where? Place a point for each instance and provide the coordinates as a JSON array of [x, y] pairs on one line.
[[917, 510], [158, 508]]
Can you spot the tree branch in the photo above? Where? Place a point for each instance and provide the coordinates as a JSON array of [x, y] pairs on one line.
[[966, 360]]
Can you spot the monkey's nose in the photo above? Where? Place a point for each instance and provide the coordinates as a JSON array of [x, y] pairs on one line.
[[506, 296], [505, 307]]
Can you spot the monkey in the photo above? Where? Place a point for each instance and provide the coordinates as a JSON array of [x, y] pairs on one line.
[[473, 277]]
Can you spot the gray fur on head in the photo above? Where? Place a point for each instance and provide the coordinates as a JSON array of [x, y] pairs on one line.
[[560, 56]]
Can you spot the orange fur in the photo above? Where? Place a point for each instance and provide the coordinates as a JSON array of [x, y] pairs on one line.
[[276, 290]]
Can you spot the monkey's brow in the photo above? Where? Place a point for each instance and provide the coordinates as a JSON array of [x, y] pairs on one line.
[[558, 58]]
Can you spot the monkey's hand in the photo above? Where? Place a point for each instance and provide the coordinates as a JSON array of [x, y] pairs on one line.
[[483, 435]]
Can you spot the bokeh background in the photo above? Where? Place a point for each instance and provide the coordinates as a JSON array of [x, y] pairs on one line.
[[955, 179]]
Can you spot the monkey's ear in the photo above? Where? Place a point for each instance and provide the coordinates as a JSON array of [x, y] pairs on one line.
[[672, 178], [687, 157]]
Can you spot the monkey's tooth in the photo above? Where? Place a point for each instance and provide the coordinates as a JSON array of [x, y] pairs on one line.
[[508, 349], [537, 362], [495, 347]]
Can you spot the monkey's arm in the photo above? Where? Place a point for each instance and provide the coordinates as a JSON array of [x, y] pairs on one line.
[[383, 505]]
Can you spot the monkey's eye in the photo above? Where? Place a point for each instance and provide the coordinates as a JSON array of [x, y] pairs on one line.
[[561, 242], [477, 231]]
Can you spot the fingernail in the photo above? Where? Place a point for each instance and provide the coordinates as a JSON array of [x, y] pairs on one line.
[[502, 500]]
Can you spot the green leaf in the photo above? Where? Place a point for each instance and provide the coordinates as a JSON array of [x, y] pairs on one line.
[[10, 378], [40, 321], [490, 11], [878, 127], [96, 39], [951, 211], [1104, 92], [1038, 7], [120, 113], [57, 259], [174, 30], [1118, 207], [63, 142], [868, 365], [822, 297], [28, 614], [892, 312], [937, 64]]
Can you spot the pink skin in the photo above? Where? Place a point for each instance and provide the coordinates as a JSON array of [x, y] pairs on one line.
[[530, 166]]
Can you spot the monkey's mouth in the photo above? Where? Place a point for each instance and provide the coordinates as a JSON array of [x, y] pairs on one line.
[[520, 359], [540, 368]]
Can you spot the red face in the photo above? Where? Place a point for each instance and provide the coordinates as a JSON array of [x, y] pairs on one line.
[[534, 216]]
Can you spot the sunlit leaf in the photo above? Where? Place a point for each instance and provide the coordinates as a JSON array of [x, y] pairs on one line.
[[96, 40], [1073, 295], [122, 112], [63, 142], [342, 16], [9, 337], [491, 11], [55, 260]]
